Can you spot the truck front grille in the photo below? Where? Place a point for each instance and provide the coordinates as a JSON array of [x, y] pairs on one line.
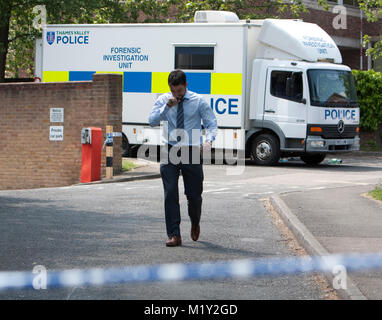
[[331, 131]]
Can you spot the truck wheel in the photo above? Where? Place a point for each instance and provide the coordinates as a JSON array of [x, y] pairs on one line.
[[265, 150], [313, 159], [126, 148]]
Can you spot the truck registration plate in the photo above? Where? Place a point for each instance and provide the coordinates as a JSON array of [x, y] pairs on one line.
[[341, 142]]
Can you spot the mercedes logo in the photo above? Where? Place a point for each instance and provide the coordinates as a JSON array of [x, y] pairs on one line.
[[341, 126]]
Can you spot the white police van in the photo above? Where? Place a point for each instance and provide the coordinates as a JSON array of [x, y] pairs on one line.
[[277, 87]]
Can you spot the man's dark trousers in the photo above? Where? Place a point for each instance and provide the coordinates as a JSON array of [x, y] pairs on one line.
[[192, 173]]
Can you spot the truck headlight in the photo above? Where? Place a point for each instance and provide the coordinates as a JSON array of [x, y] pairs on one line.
[[317, 144]]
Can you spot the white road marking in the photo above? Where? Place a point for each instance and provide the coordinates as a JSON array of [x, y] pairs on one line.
[[247, 195], [216, 190]]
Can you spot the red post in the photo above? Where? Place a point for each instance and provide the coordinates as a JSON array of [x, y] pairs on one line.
[[91, 157]]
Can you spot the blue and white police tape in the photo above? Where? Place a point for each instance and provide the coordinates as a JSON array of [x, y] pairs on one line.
[[235, 269]]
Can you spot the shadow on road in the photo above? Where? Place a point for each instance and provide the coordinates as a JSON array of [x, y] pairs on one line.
[[215, 248]]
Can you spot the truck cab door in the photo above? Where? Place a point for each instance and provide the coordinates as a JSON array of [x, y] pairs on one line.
[[285, 101]]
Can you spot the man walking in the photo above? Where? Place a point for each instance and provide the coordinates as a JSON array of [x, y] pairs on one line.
[[182, 112]]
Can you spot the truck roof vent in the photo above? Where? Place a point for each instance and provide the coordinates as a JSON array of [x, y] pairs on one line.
[[215, 16]]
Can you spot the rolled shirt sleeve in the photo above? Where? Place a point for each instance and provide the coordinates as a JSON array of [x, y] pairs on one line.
[[159, 111]]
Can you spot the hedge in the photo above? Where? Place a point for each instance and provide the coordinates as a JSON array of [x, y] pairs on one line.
[[369, 92]]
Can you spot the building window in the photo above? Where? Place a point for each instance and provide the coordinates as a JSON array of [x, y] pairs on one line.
[[350, 2], [194, 58], [287, 85], [378, 65], [344, 2]]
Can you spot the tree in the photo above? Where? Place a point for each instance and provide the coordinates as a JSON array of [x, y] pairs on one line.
[[245, 9], [5, 17], [17, 33], [373, 10]]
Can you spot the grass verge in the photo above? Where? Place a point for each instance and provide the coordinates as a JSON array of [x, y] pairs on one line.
[[376, 193], [128, 165]]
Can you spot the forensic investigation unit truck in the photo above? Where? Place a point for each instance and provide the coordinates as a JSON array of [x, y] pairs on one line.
[[277, 87]]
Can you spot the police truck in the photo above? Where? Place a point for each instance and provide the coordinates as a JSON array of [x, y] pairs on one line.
[[277, 86]]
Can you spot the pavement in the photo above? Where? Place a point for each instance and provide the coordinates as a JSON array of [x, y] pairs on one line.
[[338, 221], [144, 170], [324, 221]]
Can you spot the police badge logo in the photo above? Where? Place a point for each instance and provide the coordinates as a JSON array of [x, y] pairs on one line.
[[50, 35]]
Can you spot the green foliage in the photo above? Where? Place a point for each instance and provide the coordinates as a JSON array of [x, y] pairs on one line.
[[369, 92], [373, 11], [22, 33], [245, 9], [376, 193], [370, 145], [128, 165]]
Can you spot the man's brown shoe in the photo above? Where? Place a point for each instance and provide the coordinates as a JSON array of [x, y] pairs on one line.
[[174, 241], [195, 231]]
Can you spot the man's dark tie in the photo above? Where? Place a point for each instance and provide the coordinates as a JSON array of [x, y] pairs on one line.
[[180, 116], [180, 120]]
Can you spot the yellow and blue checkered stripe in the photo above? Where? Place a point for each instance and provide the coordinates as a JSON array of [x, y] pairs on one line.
[[156, 82]]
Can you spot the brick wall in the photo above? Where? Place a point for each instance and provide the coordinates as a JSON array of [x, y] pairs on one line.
[[28, 159], [325, 20], [351, 58]]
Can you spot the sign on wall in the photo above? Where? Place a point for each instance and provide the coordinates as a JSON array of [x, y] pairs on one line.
[[56, 133], [56, 114]]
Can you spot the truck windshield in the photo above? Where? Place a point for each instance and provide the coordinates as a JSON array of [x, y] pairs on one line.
[[332, 88]]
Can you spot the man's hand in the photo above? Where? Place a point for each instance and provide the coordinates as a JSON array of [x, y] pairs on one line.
[[172, 102]]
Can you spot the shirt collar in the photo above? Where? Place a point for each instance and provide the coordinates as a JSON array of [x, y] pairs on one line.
[[186, 95]]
